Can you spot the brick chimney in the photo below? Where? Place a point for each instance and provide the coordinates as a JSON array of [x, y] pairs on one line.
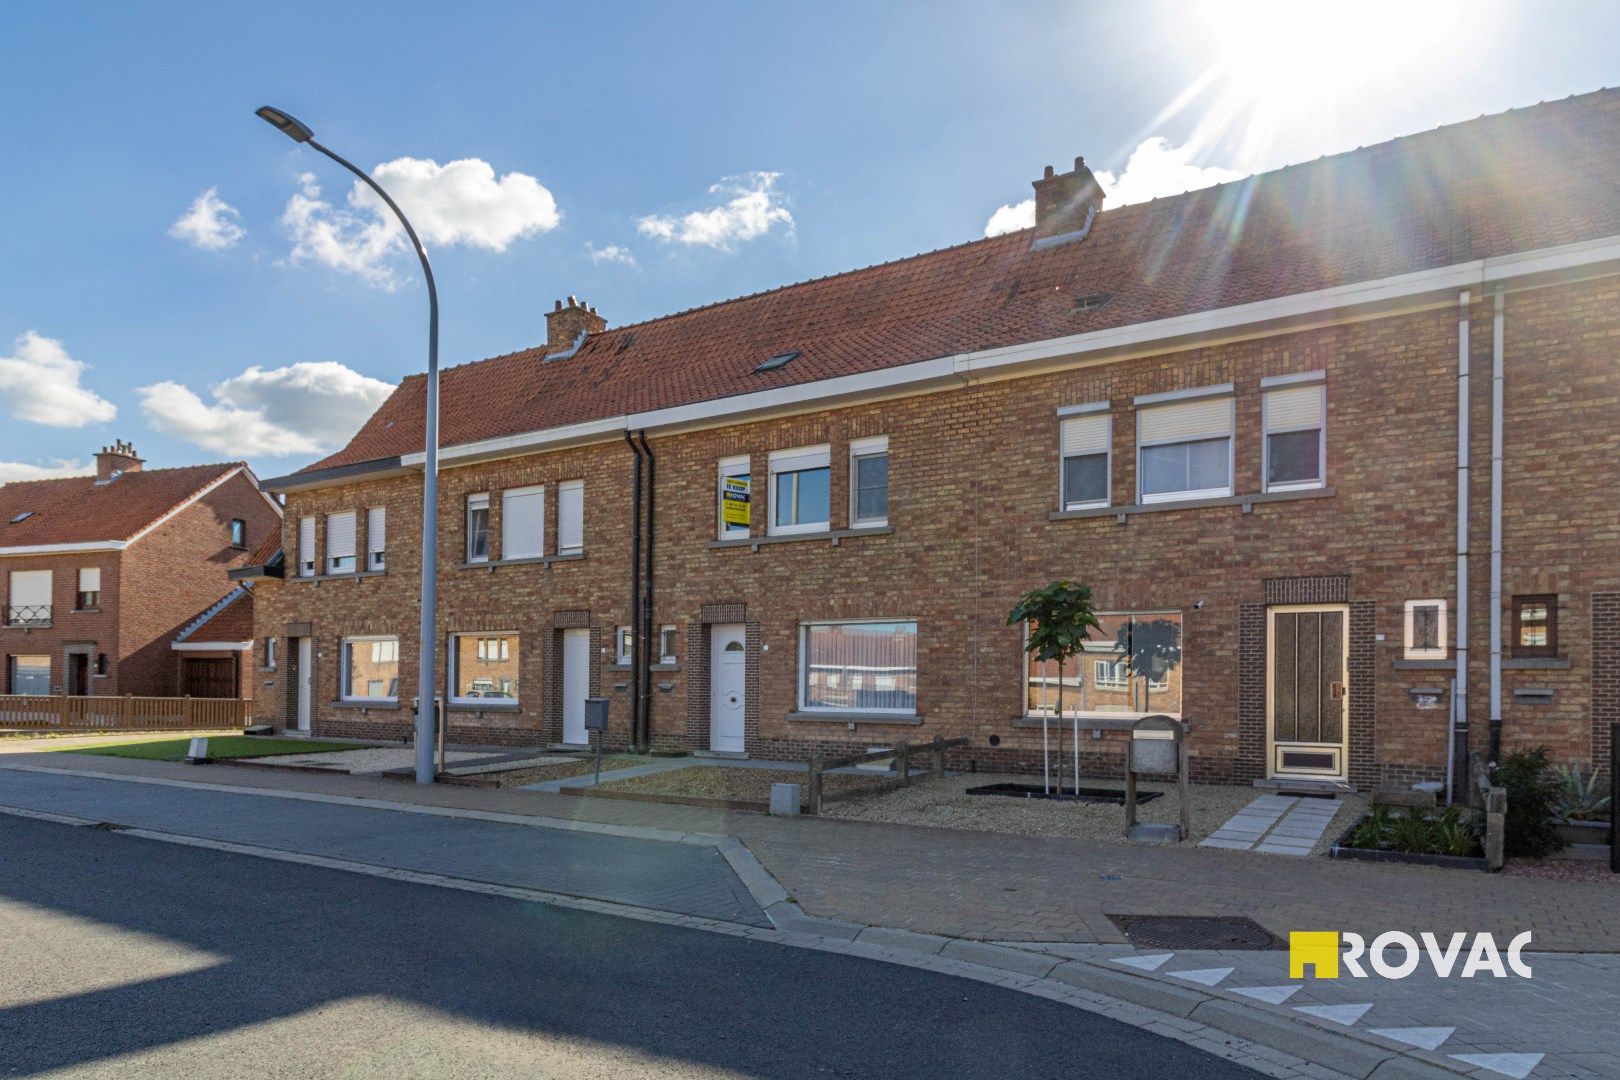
[[114, 460], [1064, 202], [564, 324]]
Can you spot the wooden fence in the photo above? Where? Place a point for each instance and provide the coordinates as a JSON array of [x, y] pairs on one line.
[[902, 752], [63, 712]]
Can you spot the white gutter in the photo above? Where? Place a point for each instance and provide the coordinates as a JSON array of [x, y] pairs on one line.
[[66, 549], [1498, 392], [1460, 696]]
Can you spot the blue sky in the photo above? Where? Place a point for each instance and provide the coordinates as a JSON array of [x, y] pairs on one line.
[[646, 157]]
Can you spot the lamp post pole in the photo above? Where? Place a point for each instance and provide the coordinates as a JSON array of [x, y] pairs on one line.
[[428, 635]]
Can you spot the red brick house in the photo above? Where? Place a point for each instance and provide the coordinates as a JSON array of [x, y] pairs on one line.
[[1337, 447], [101, 573]]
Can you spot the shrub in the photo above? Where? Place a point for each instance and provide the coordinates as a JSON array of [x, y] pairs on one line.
[[1416, 832], [1580, 799], [1532, 802]]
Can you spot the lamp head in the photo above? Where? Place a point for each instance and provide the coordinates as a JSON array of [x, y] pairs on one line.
[[289, 126]]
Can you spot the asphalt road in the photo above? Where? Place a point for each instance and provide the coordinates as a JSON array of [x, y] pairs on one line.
[[123, 956]]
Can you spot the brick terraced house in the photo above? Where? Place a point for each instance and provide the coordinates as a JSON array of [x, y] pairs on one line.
[[1338, 447], [101, 575]]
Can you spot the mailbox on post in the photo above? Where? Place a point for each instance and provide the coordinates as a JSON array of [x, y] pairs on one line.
[[596, 722], [1162, 752]]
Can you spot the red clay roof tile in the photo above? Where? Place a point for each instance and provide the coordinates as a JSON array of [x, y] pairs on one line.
[[1531, 178], [77, 510]]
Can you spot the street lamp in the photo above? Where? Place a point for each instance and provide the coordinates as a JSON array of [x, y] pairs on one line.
[[299, 132]]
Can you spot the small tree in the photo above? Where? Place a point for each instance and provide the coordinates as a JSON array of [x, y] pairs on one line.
[[1060, 619]]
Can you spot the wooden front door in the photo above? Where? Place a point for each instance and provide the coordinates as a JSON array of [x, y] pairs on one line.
[[1307, 701]]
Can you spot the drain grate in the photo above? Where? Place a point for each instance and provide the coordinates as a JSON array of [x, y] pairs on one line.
[[1196, 932]]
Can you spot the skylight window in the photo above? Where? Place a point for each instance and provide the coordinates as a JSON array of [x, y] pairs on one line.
[[779, 360], [24, 516], [1092, 302]]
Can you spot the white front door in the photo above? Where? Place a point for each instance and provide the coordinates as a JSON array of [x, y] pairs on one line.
[[306, 677], [576, 684], [727, 667]]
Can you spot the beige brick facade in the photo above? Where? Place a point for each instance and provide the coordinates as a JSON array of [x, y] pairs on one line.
[[973, 487]]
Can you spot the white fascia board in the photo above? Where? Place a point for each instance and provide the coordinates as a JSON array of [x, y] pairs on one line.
[[964, 367], [65, 549], [211, 646]]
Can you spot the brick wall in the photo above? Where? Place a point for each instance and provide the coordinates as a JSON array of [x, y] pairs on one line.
[[973, 479]]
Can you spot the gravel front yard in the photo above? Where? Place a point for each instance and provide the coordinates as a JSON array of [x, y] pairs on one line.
[[561, 770], [735, 784], [945, 804]]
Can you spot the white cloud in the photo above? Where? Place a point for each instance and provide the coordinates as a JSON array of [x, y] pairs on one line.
[[303, 408], [1154, 169], [459, 203], [209, 223], [40, 382], [753, 209], [612, 253], [1011, 218], [12, 472]]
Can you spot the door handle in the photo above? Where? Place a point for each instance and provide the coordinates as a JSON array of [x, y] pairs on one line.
[[1339, 689]]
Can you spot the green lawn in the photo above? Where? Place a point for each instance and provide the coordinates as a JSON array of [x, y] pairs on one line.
[[219, 746]]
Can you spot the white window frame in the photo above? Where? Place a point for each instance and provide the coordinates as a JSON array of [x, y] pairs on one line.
[[453, 674], [477, 501], [270, 653], [376, 538], [1269, 387], [89, 585], [740, 465], [859, 449], [307, 563], [1110, 681], [667, 636], [1411, 652], [623, 642], [796, 460], [1155, 401], [564, 545], [804, 658], [509, 550], [343, 667], [238, 526], [1076, 413], [334, 555], [16, 605]]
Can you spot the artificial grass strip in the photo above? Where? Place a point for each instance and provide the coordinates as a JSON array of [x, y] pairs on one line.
[[219, 746]]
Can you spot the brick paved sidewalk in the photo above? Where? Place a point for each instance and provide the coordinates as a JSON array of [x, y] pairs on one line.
[[1001, 888]]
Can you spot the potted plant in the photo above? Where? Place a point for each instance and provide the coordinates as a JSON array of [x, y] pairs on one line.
[[1584, 807], [1061, 618]]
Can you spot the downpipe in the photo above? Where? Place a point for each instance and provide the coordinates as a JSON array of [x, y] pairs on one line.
[[1498, 398], [1457, 758], [635, 591], [649, 637]]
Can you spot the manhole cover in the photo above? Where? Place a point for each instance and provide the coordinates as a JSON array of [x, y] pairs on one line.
[[1195, 932]]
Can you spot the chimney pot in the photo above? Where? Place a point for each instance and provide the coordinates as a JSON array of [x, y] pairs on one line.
[[118, 458], [1050, 172], [565, 323]]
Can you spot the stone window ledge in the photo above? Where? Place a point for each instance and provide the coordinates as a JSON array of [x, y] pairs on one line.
[[1536, 663], [355, 575], [1087, 723], [819, 717], [1247, 502], [538, 560], [367, 706], [831, 535], [469, 707], [1424, 665]]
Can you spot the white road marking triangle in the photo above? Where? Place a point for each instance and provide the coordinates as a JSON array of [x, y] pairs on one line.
[[1272, 995], [1339, 1014], [1427, 1038], [1203, 976], [1144, 963], [1517, 1066]]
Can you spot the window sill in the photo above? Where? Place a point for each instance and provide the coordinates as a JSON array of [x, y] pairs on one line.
[[833, 535], [1088, 723], [816, 716], [666, 665], [1424, 664], [1247, 502], [537, 560], [1536, 663], [367, 706], [619, 665], [482, 707], [87, 611], [347, 575]]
